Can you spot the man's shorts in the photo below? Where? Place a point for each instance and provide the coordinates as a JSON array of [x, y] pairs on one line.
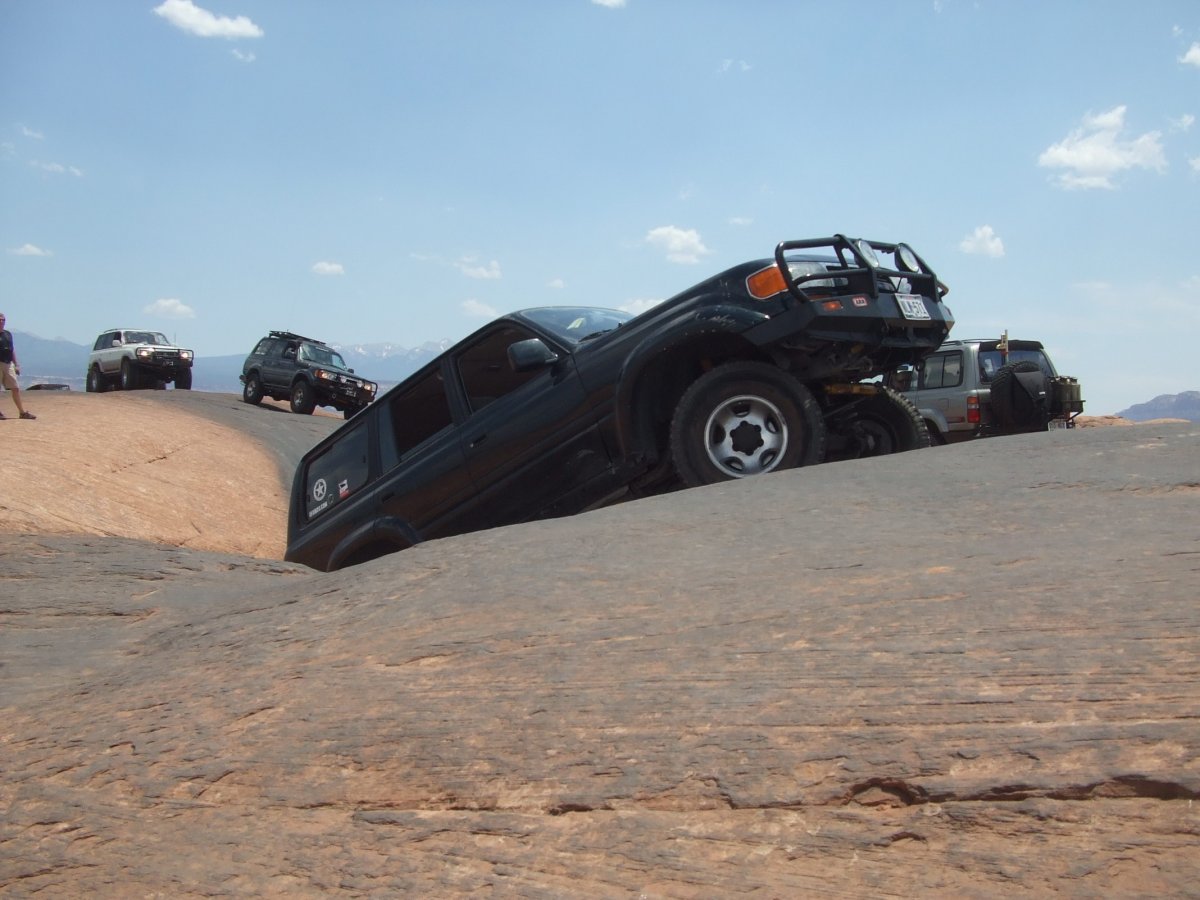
[[8, 376]]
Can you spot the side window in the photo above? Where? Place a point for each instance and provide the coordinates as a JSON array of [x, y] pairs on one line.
[[337, 473], [484, 368], [104, 341], [412, 417], [264, 347], [952, 374], [931, 371]]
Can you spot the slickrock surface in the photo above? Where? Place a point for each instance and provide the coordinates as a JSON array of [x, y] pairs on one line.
[[971, 670]]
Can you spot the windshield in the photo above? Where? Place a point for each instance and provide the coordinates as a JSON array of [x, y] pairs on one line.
[[322, 356], [990, 362], [574, 324], [146, 337]]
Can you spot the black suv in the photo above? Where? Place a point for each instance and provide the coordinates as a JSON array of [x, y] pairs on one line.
[[553, 411], [305, 372]]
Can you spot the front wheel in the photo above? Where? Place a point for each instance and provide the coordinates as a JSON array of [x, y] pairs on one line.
[[741, 419], [183, 381], [303, 400], [130, 381], [876, 426]]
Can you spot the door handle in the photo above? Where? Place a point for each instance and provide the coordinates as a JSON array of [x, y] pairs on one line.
[[477, 440]]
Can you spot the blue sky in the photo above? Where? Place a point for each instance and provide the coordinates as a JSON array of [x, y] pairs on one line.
[[402, 171]]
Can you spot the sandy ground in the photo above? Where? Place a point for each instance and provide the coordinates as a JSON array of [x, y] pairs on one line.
[[161, 475]]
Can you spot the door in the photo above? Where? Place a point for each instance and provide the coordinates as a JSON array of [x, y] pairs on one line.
[[530, 439]]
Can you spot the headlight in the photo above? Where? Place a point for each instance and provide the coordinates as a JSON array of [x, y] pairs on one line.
[[185, 354], [868, 253], [323, 375], [144, 352], [906, 260]]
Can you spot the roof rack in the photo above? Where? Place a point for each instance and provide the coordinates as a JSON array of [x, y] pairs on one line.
[[291, 336]]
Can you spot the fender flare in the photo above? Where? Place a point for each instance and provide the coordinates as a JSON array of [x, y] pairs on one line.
[[694, 324], [385, 529]]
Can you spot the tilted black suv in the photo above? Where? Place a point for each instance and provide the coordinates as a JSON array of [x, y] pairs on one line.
[[552, 411], [305, 372]]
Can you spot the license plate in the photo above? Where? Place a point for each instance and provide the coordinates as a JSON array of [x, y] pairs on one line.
[[1055, 424], [913, 307]]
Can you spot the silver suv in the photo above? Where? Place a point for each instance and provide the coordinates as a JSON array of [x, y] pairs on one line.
[[975, 388], [131, 358]]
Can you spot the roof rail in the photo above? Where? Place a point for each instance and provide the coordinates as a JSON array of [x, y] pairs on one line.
[[291, 336]]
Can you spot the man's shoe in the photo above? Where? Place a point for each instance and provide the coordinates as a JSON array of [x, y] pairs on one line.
[[28, 415]]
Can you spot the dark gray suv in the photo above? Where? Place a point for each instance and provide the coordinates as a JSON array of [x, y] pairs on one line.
[[306, 372]]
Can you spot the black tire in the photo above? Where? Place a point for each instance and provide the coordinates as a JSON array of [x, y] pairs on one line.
[[876, 426], [96, 382], [1014, 409], [130, 378], [741, 419], [303, 399], [252, 392], [183, 381]]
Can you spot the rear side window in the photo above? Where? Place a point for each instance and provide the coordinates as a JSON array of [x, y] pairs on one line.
[[942, 370], [264, 346], [411, 418], [339, 471]]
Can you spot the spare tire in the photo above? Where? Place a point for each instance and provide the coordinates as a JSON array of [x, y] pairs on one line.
[[1018, 404]]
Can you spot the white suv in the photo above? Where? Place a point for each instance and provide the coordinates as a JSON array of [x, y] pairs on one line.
[[980, 388], [130, 358]]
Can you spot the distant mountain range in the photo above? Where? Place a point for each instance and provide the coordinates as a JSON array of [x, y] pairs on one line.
[[62, 362], [1166, 406]]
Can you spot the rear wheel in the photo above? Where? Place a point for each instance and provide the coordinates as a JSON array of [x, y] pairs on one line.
[[130, 379], [303, 400], [252, 392], [741, 419], [876, 426], [96, 382], [1014, 409]]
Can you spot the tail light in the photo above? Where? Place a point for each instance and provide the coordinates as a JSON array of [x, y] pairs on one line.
[[973, 415]]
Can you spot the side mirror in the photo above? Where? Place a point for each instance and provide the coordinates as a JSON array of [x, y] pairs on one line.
[[530, 355]]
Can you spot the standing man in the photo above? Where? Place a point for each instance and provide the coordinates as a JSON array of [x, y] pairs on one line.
[[10, 369]]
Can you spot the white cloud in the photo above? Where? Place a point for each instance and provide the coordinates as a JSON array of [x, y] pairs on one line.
[[328, 268], [637, 307], [30, 133], [1194, 162], [169, 308], [556, 283], [741, 221], [187, 16], [983, 241], [1183, 123], [477, 310], [29, 250], [610, 4], [681, 245], [1192, 57], [57, 168], [1093, 154], [243, 55], [489, 272], [729, 65]]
